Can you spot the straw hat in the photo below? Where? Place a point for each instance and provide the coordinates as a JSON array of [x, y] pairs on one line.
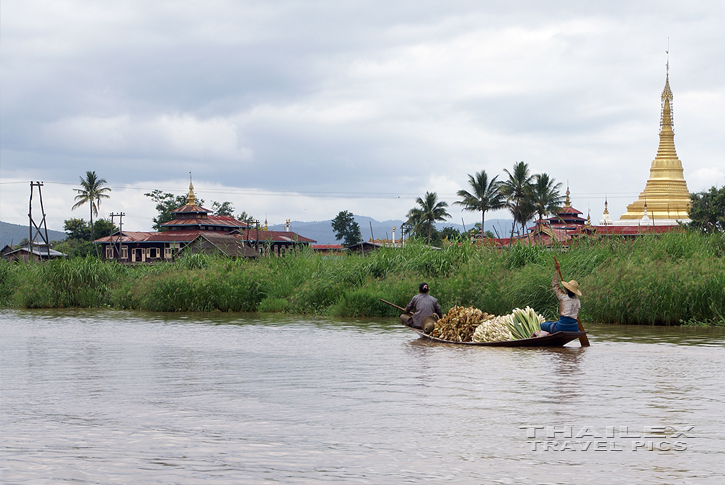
[[572, 286]]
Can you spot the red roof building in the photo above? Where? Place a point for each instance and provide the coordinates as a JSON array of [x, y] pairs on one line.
[[194, 230]]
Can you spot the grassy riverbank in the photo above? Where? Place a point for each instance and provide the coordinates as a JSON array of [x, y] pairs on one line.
[[671, 279]]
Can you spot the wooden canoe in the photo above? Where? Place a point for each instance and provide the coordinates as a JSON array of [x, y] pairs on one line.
[[558, 339]]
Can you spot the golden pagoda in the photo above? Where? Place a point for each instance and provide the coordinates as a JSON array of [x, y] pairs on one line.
[[665, 196], [191, 200]]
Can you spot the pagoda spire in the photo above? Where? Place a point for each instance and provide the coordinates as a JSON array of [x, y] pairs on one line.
[[191, 200], [666, 191]]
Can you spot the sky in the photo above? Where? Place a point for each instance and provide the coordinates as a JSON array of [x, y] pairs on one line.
[[300, 110]]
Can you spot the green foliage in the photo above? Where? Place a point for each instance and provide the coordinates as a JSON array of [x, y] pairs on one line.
[[165, 204], [519, 255], [103, 228], [74, 248], [707, 210], [91, 192], [222, 209], [672, 279], [428, 212], [486, 196], [346, 228], [273, 305], [77, 229]]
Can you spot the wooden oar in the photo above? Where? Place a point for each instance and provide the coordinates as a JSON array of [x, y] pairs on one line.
[[393, 304], [583, 340]]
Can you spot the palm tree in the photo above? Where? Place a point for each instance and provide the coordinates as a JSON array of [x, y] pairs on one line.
[[92, 191], [430, 211], [544, 195], [515, 189], [486, 195]]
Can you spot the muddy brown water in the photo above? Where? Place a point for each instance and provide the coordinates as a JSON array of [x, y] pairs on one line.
[[129, 397]]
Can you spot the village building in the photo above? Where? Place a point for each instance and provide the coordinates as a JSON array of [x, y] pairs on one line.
[[195, 230], [27, 252]]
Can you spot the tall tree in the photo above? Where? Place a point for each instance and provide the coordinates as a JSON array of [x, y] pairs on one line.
[[91, 192], [165, 203], [544, 195], [707, 210], [428, 212], [77, 229], [222, 209], [346, 228], [246, 218], [516, 189], [486, 195]]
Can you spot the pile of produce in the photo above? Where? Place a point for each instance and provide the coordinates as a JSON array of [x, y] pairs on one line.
[[459, 324], [494, 330], [472, 325]]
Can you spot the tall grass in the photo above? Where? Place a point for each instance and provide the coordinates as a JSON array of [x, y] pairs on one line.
[[667, 280]]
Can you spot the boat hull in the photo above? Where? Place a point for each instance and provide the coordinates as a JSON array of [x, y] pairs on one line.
[[558, 339]]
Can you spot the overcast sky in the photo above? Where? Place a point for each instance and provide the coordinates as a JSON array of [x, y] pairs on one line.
[[301, 109]]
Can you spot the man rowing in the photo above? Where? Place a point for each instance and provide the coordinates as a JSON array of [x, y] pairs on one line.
[[420, 307]]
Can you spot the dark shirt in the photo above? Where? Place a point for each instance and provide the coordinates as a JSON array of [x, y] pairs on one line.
[[423, 305]]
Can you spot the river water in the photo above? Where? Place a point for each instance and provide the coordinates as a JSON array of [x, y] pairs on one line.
[[128, 397]]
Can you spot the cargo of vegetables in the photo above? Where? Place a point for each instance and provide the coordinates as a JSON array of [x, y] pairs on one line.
[[470, 324]]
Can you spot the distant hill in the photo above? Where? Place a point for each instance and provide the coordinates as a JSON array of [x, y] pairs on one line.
[[321, 231], [11, 234]]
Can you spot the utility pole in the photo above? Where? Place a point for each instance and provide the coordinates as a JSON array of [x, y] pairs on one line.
[[117, 244], [34, 234]]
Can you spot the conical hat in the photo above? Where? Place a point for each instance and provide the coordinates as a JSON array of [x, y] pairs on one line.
[[572, 286]]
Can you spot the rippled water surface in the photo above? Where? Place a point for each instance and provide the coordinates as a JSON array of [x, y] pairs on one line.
[[126, 397]]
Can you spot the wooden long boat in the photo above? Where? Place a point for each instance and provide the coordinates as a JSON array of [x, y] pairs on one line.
[[557, 339]]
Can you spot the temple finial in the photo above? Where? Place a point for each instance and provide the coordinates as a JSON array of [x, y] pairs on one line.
[[668, 57], [191, 200]]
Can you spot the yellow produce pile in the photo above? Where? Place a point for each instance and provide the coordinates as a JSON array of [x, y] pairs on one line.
[[459, 324]]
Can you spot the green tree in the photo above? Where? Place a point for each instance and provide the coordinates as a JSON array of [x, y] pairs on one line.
[[486, 195], [246, 218], [516, 189], [428, 212], [91, 192], [77, 229], [544, 195], [165, 204], [224, 209], [346, 228], [104, 227], [451, 233], [707, 210]]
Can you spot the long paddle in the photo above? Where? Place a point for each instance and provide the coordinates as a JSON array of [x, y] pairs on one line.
[[393, 304], [583, 340]]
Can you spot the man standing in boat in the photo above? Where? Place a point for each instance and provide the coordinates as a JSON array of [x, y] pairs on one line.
[[423, 307], [569, 304]]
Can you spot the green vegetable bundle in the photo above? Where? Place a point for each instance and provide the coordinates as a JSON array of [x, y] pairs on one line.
[[523, 323]]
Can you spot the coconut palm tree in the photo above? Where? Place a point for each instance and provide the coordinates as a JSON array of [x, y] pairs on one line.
[[486, 195], [429, 212], [516, 190], [544, 195], [92, 191]]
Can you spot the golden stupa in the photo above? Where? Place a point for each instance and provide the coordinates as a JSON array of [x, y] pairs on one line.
[[665, 196]]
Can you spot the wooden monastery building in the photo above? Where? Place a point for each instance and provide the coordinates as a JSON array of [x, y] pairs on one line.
[[195, 230]]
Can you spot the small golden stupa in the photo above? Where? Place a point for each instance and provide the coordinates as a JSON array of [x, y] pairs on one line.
[[665, 196]]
